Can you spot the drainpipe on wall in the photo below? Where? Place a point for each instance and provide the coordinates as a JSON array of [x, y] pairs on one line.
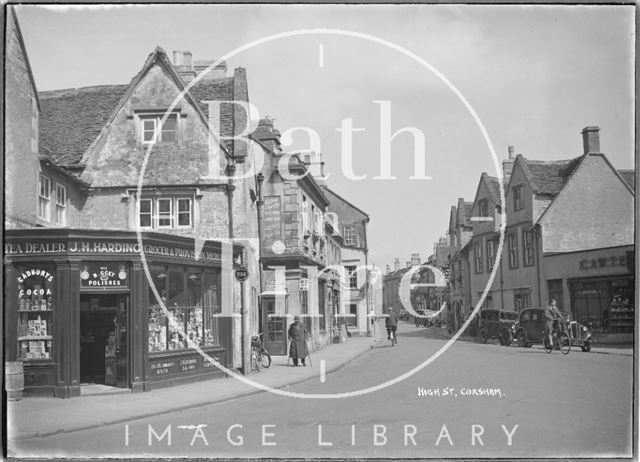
[[244, 341], [536, 232], [259, 204], [367, 293]]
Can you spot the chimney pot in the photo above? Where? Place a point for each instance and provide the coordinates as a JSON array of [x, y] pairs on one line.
[[591, 139], [177, 58], [511, 150], [186, 58]]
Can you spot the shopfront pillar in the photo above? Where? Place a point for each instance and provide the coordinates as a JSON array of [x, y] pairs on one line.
[[139, 330], [11, 318], [67, 329]]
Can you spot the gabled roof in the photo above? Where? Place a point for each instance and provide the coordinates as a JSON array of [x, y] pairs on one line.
[[493, 185], [629, 177], [72, 119], [346, 202], [573, 167], [548, 177]]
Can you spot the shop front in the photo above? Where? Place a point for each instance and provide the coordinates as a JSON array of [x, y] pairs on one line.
[[81, 308], [598, 288]]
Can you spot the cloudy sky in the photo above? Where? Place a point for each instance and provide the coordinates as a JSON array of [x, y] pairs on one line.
[[535, 75]]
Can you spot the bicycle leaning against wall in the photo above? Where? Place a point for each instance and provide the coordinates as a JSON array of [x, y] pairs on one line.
[[260, 357]]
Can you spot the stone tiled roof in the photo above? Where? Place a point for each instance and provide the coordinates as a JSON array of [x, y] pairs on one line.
[[629, 177], [494, 188], [72, 119], [549, 177]]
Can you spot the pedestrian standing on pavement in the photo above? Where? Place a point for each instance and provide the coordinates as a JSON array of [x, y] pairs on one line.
[[298, 337], [391, 323]]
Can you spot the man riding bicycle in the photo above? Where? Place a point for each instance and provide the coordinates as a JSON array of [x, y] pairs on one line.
[[391, 323], [553, 316]]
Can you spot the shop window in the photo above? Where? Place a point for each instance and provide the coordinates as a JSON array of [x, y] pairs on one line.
[[512, 240], [306, 228], [478, 255], [61, 204], [36, 300], [491, 257], [517, 198], [527, 244], [192, 300], [556, 292], [349, 235], [150, 131], [44, 197], [165, 212]]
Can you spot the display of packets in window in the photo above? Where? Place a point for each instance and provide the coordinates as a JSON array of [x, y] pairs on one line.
[[35, 349], [37, 328]]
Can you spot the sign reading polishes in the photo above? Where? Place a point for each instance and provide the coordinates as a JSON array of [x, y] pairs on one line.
[[104, 275]]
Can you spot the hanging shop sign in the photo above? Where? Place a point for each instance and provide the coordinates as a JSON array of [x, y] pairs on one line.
[[103, 274], [242, 273]]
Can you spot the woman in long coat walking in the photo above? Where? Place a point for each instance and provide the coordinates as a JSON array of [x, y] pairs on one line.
[[298, 337]]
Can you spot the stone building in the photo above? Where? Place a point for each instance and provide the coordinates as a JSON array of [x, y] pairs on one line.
[[294, 245], [120, 252], [460, 235], [352, 222], [569, 236]]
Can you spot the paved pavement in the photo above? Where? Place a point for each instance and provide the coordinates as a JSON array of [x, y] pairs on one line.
[[32, 417]]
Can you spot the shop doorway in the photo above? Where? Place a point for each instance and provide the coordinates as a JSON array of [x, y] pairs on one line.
[[275, 338], [104, 339]]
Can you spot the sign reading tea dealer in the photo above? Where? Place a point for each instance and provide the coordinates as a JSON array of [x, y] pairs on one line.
[[91, 247]]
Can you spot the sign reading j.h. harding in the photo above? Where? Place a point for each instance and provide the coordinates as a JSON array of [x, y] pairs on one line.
[[411, 107]]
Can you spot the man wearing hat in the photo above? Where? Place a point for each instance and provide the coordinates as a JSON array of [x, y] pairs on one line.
[[298, 337]]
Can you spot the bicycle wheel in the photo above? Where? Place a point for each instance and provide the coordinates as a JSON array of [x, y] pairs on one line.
[[255, 363], [265, 358], [565, 343]]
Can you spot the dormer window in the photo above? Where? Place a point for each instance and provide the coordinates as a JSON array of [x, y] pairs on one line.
[[517, 198], [152, 130], [483, 208]]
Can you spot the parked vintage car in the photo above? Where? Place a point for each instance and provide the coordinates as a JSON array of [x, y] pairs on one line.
[[422, 320], [494, 324], [530, 329]]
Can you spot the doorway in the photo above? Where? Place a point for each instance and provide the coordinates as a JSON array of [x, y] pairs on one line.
[[103, 339], [275, 338]]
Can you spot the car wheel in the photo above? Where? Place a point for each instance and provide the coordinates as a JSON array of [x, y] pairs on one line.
[[587, 347], [506, 337]]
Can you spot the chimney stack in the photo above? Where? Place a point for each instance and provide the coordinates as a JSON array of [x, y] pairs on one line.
[[396, 264], [218, 72], [184, 65], [507, 164], [415, 259], [591, 139]]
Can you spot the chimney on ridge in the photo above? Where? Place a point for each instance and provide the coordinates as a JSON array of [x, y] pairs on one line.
[[591, 139], [415, 259], [396, 264], [507, 164], [182, 61]]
